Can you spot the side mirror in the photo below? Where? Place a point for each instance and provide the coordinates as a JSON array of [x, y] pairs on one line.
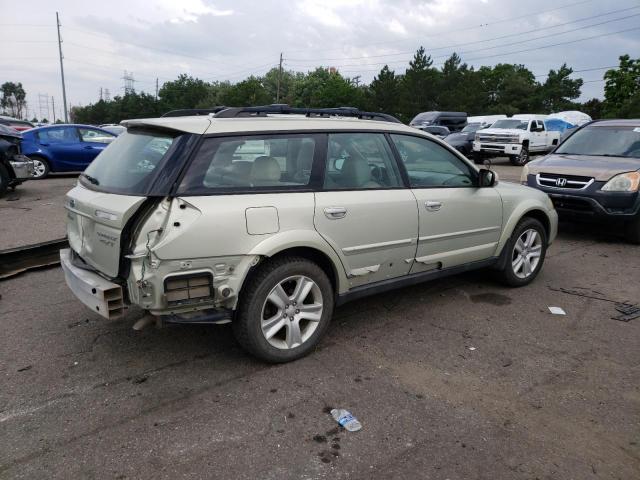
[[488, 178]]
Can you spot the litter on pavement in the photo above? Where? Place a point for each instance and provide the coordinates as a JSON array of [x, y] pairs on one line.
[[346, 419], [557, 311]]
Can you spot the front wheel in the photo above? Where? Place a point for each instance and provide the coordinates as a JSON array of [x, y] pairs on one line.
[[284, 309], [522, 158], [524, 253], [4, 180], [40, 168]]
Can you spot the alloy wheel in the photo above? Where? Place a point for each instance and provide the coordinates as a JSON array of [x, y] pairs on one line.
[[291, 312], [39, 168], [526, 253]]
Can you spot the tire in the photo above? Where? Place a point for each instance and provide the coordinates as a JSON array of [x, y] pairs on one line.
[[41, 168], [632, 230], [477, 158], [271, 292], [514, 274], [4, 180], [522, 158]]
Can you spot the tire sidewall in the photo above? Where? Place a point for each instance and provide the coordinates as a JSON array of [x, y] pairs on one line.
[[508, 274], [250, 314]]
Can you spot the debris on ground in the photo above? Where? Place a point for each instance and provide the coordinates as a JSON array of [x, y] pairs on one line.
[[346, 419], [557, 311], [471, 348], [629, 312]]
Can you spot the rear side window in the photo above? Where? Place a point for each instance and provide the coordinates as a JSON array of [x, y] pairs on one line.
[[59, 135], [358, 161], [267, 162], [95, 136]]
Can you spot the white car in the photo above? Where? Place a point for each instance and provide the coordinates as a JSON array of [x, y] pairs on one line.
[[516, 137]]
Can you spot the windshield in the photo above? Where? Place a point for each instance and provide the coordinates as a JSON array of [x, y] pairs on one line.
[[472, 127], [424, 117], [613, 141], [128, 164], [509, 123]]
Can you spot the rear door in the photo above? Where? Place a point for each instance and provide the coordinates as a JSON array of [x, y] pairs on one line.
[[92, 142], [364, 211], [63, 143], [458, 221]]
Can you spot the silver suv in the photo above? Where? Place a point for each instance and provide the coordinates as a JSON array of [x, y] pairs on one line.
[[269, 217]]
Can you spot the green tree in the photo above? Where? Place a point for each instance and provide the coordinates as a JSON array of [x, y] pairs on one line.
[[13, 100], [419, 85], [384, 91], [324, 88], [509, 89], [622, 87], [249, 92], [558, 90], [185, 92], [593, 108]]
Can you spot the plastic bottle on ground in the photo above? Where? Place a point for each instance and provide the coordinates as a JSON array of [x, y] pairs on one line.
[[344, 418]]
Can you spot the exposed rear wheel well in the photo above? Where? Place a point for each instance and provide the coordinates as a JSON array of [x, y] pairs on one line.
[[317, 257]]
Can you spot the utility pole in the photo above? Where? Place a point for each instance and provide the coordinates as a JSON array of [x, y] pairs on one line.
[[279, 80], [53, 107], [156, 89], [64, 89], [100, 93]]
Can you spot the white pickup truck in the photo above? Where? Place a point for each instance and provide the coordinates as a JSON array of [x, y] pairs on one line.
[[516, 137]]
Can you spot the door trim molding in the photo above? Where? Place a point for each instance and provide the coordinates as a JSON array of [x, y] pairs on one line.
[[373, 246], [461, 233]]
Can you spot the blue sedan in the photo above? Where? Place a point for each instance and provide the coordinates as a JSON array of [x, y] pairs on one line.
[[63, 148]]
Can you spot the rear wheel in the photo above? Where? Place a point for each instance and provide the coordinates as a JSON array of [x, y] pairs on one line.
[[525, 252], [522, 158], [632, 230], [4, 180], [40, 168], [284, 310]]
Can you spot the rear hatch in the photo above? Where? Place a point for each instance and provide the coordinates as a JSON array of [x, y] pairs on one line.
[[95, 222], [141, 163]]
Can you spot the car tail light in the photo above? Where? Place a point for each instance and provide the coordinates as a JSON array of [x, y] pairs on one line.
[[188, 288]]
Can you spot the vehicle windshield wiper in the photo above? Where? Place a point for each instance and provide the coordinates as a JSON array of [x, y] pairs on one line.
[[93, 180], [611, 155]]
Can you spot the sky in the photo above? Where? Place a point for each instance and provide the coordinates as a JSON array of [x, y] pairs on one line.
[[232, 39]]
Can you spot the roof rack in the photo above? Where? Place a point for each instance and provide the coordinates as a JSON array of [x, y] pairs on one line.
[[283, 109], [189, 112]]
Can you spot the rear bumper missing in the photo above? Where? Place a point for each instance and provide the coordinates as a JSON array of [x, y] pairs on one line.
[[97, 293]]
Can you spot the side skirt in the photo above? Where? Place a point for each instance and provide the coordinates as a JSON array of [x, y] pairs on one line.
[[408, 280]]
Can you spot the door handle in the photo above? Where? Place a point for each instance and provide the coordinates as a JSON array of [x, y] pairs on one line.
[[432, 206], [335, 213]]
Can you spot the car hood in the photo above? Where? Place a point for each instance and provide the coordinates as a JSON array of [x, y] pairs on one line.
[[598, 167], [458, 137], [501, 131]]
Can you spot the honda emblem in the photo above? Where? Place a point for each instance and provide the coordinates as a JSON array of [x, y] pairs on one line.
[[561, 182]]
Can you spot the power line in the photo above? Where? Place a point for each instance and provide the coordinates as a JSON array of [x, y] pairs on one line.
[[519, 34]]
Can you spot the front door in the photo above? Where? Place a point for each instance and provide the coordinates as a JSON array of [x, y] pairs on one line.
[[92, 142], [363, 211], [459, 222]]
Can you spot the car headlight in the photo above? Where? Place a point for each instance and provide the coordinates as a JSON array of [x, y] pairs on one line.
[[477, 138], [624, 182], [524, 175]]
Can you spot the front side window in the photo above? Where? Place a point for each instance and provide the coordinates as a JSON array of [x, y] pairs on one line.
[[58, 135], [360, 161], [96, 136], [260, 162], [431, 165]]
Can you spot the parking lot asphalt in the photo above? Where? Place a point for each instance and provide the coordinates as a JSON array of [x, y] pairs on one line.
[[456, 379]]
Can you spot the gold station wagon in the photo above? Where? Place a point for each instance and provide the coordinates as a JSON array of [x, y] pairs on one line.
[[269, 217]]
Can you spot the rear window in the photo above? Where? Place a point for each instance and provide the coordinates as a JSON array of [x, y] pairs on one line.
[[269, 162], [603, 141], [131, 162]]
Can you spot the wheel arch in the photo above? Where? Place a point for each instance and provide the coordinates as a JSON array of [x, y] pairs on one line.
[[531, 210]]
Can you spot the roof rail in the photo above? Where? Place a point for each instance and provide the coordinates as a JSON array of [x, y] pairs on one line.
[[189, 112], [283, 109]]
